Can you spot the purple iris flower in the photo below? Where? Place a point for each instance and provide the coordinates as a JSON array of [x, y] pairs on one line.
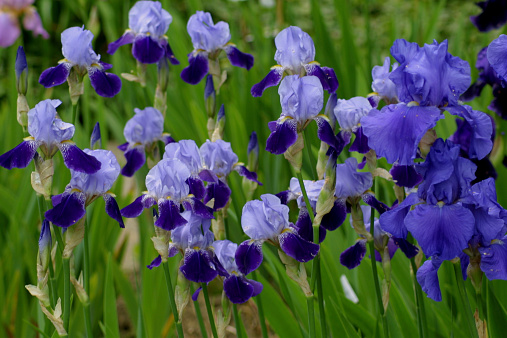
[[194, 240], [148, 24], [494, 15], [295, 55], [268, 220], [49, 133], [353, 256], [167, 185], [209, 39], [219, 159], [383, 87], [237, 287], [348, 113], [301, 99], [428, 81], [142, 132], [70, 206], [80, 58], [10, 11]]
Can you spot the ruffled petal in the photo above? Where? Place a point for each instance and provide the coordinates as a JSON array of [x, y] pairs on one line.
[[55, 76], [197, 68], [284, 135], [113, 210], [248, 256], [70, 210], [198, 267], [353, 256], [427, 276], [125, 39], [441, 231], [297, 247], [20, 156], [238, 289], [170, 216], [146, 49], [136, 157], [272, 79], [76, 159], [238, 58], [105, 84]]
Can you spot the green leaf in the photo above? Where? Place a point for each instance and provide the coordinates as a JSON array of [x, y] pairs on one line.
[[110, 314]]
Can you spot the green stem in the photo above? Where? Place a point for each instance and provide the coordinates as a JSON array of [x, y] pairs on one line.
[[86, 281], [208, 308], [309, 155], [198, 314], [66, 293], [237, 321], [170, 290], [479, 305], [322, 310], [464, 300], [74, 113], [260, 310], [311, 317], [419, 302]]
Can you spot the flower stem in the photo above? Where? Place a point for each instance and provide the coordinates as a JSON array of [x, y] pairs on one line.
[[237, 321], [52, 279], [74, 113], [198, 314], [419, 303], [170, 290], [66, 293], [208, 308], [260, 310], [309, 154], [86, 281], [464, 300]]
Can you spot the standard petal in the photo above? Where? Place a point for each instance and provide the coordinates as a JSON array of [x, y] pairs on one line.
[[198, 267], [353, 256], [70, 210], [395, 131], [427, 276], [282, 137], [272, 79], [147, 50], [405, 176], [113, 210], [170, 216], [76, 159], [126, 38], [248, 256], [238, 58], [20, 156], [197, 68], [494, 259], [134, 209], [55, 76], [136, 157], [441, 231], [220, 192], [243, 171], [297, 247], [237, 289], [105, 84]]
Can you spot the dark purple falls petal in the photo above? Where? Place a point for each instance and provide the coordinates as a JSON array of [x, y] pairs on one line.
[[105, 84], [136, 157], [55, 76], [196, 187], [405, 176], [169, 53], [155, 263], [248, 256], [297, 247], [326, 134], [170, 216], [353, 256], [125, 39], [393, 221], [336, 216], [198, 267], [70, 210], [284, 196], [195, 295], [198, 208], [282, 137], [304, 226], [113, 210], [147, 50], [76, 159], [494, 259], [272, 79], [427, 276], [220, 192], [238, 58], [134, 209], [124, 146], [494, 15], [369, 198], [238, 289], [243, 171], [20, 156], [326, 76], [406, 247], [360, 143], [197, 68]]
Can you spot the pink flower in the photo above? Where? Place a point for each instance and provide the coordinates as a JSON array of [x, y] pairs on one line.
[[10, 11]]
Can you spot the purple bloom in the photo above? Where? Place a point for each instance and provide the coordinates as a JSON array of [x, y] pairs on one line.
[[187, 152], [148, 23], [49, 134], [295, 55], [81, 58], [348, 113], [10, 12], [268, 220], [236, 287], [494, 15], [312, 188], [142, 132], [382, 85], [209, 39], [83, 189], [21, 68]]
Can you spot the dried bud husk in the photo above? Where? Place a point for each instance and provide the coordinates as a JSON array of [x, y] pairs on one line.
[[42, 178], [297, 272], [326, 199], [161, 243], [481, 325], [386, 283], [224, 316], [139, 77], [295, 153], [73, 236], [218, 224], [399, 192], [76, 85], [56, 317], [427, 141], [371, 160], [181, 293], [218, 133], [80, 291], [22, 111], [162, 82], [358, 221]]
